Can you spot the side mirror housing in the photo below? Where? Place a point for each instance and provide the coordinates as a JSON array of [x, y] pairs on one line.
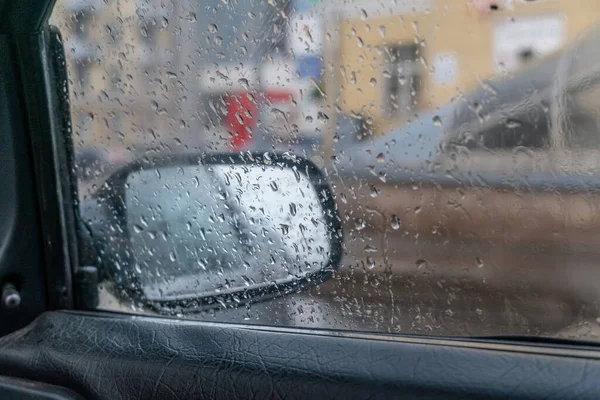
[[194, 232]]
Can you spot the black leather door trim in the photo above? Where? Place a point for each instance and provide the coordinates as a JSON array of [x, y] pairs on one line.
[[119, 357]]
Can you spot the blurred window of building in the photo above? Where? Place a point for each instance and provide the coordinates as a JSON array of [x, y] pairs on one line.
[[402, 80]]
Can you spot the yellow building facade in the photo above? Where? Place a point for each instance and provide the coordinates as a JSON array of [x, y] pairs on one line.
[[456, 45], [118, 55]]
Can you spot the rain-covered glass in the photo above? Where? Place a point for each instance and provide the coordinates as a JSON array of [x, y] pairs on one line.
[[460, 139]]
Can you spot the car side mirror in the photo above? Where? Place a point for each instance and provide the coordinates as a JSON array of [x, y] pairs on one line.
[[195, 232]]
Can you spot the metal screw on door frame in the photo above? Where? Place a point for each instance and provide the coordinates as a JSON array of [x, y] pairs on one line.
[[11, 298]]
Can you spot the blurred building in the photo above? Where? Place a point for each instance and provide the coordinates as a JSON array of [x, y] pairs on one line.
[[152, 76], [118, 56], [414, 55]]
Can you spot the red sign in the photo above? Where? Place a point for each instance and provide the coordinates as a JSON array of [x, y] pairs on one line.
[[240, 119], [242, 114]]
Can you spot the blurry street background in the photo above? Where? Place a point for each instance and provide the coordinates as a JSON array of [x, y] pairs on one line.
[[460, 138]]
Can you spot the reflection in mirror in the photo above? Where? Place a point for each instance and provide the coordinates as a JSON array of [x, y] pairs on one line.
[[203, 230]]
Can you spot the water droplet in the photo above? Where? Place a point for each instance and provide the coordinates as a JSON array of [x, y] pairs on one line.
[[370, 262], [373, 82], [212, 28], [246, 280], [308, 119], [437, 120], [364, 14], [292, 208], [244, 83], [359, 42], [279, 114], [321, 116], [513, 124], [191, 17], [374, 191], [479, 262], [370, 249], [239, 118], [381, 30], [172, 256], [396, 223], [359, 224], [421, 262], [380, 157], [137, 228], [274, 186]]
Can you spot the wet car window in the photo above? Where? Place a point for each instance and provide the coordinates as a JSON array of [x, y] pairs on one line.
[[460, 140]]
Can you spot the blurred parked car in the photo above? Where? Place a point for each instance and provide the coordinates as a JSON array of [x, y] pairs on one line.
[[530, 139]]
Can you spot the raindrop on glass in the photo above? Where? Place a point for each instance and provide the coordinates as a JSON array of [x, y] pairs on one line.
[[513, 124], [370, 249], [191, 17], [396, 224], [374, 191], [322, 117], [479, 262], [359, 224], [370, 262]]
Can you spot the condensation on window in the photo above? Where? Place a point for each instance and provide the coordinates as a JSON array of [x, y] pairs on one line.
[[460, 139]]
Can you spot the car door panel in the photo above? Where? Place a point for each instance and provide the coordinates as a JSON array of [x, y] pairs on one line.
[[115, 356]]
